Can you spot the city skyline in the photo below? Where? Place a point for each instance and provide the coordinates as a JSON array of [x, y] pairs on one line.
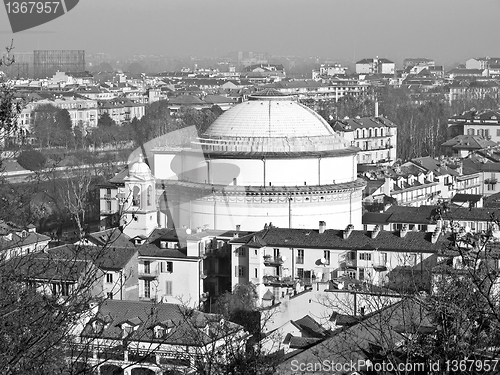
[[340, 29]]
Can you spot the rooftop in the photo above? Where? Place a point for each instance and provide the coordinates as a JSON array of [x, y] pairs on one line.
[[271, 122]]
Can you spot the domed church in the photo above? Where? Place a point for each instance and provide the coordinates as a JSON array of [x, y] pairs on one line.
[[267, 160]]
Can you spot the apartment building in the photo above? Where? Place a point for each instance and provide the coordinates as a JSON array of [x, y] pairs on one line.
[[16, 241], [154, 338], [375, 66], [81, 109], [121, 109], [485, 123], [332, 88], [280, 261], [375, 136]]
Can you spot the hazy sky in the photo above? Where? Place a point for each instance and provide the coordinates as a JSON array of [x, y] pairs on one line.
[[446, 30]]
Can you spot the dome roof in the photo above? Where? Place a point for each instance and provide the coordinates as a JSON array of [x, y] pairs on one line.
[[271, 122], [139, 168]]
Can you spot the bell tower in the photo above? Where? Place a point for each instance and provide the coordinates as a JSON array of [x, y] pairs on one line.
[[139, 210]]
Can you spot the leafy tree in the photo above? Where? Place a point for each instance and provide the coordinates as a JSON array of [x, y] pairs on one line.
[[105, 120], [32, 160], [10, 105], [52, 126]]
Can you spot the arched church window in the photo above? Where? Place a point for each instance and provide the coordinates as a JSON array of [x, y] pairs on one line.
[[149, 195], [136, 197]]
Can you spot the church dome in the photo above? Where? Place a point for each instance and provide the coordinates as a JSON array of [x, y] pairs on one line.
[[139, 168], [271, 122]]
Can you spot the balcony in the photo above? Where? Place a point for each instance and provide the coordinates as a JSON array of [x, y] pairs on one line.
[[273, 261], [348, 260], [379, 266], [108, 212], [278, 281], [148, 274]]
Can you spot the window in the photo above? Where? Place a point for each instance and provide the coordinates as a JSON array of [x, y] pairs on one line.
[[136, 199], [149, 195], [170, 267], [147, 266], [109, 295], [300, 273], [240, 271], [326, 255], [276, 292], [365, 256], [163, 269], [159, 332], [276, 253], [361, 274], [256, 273], [300, 256], [109, 278], [147, 288], [168, 288], [108, 206], [240, 252], [65, 289]]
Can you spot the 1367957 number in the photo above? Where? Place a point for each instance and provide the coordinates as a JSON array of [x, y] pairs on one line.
[[32, 7], [471, 365]]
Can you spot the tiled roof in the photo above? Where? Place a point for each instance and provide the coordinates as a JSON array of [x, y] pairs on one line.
[[425, 214], [112, 237], [104, 257], [17, 238], [119, 178], [376, 218], [186, 100], [353, 343], [301, 342], [310, 327], [48, 267], [469, 142], [187, 324], [364, 123], [333, 239], [431, 164], [466, 198]]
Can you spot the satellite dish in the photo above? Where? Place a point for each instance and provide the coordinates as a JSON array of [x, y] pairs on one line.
[[188, 231], [283, 258], [323, 260]]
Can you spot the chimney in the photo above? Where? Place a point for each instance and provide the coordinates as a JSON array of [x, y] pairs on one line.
[[238, 227], [435, 235], [322, 227], [375, 231], [403, 231], [348, 231], [376, 108]]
